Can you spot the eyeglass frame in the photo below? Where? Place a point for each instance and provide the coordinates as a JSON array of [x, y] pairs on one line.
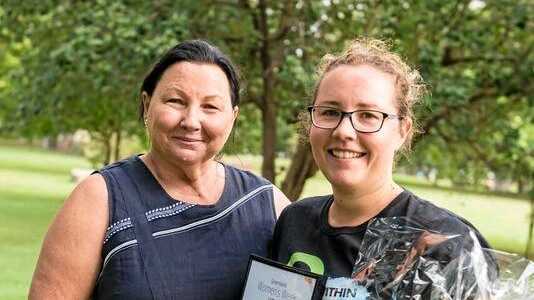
[[349, 114]]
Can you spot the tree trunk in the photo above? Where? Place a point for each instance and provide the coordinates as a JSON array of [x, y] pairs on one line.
[[106, 143], [116, 154], [520, 186], [270, 48], [301, 168], [267, 99], [269, 141]]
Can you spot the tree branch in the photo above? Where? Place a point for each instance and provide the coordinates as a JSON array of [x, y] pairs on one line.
[[479, 154], [445, 112], [286, 15]]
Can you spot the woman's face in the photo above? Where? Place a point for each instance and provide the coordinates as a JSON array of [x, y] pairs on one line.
[[349, 159], [190, 114]]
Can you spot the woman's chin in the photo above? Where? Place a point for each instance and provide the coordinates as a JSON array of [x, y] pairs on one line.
[[186, 157], [346, 180]]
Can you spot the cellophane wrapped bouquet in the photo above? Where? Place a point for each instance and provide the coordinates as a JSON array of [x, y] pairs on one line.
[[400, 260]]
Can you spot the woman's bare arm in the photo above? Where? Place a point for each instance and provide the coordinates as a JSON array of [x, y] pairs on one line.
[[71, 254], [280, 201]]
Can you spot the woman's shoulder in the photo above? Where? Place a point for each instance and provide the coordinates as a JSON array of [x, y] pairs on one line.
[[118, 164], [429, 211], [304, 213], [248, 182], [312, 202], [90, 196], [440, 219]]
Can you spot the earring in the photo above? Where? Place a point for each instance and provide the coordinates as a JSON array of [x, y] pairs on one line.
[[147, 132]]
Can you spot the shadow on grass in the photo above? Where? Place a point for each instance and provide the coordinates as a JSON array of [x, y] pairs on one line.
[[41, 169], [28, 201]]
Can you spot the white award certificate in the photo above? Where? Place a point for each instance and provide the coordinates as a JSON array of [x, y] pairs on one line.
[[270, 280]]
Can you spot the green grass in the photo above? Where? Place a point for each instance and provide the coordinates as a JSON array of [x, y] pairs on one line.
[[34, 184]]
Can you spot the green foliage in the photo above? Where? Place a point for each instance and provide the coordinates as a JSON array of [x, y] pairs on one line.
[[246, 134], [83, 64], [477, 62], [73, 65]]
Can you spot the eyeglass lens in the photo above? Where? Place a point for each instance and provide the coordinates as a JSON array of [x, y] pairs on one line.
[[362, 120]]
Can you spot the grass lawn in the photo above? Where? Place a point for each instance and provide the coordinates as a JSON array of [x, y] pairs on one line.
[[34, 183]]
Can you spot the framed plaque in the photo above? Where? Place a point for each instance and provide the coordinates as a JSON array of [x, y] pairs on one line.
[[271, 280]]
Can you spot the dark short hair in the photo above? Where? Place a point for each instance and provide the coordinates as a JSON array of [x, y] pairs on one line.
[[191, 51]]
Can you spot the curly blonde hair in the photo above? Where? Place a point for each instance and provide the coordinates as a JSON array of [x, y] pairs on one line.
[[409, 84]]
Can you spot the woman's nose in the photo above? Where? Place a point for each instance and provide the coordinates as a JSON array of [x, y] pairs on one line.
[[345, 129], [190, 119]]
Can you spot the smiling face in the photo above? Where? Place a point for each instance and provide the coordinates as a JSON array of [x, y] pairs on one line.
[[351, 160], [190, 115]]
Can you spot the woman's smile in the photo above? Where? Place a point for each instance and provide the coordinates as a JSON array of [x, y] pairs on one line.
[[188, 139], [346, 154]]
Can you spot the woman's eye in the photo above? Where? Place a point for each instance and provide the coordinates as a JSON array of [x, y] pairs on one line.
[[330, 113], [175, 100], [368, 115], [211, 107]]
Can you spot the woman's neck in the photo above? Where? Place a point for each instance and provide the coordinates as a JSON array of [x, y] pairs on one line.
[[188, 182], [352, 207]]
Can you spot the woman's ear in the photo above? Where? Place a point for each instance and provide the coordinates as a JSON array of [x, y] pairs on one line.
[[405, 128]]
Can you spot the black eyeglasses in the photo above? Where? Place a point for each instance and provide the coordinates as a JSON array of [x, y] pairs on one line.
[[364, 120]]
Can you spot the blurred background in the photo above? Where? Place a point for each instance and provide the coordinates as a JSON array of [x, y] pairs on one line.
[[70, 73]]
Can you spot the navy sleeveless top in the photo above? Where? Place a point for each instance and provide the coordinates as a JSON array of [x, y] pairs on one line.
[[157, 247]]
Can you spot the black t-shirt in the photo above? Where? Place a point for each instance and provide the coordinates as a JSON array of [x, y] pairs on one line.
[[304, 239]]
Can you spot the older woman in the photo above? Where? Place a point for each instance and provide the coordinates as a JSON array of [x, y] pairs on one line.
[[173, 223], [361, 118]]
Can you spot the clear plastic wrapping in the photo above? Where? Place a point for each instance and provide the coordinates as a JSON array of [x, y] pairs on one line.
[[401, 260]]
